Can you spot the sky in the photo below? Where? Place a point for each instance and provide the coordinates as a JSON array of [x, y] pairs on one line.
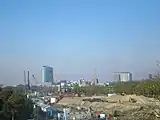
[[76, 37]]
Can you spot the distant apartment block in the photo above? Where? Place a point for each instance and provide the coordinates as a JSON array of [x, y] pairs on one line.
[[47, 74], [123, 76], [82, 82]]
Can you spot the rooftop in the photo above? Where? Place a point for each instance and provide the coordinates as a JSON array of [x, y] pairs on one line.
[[122, 72], [47, 66]]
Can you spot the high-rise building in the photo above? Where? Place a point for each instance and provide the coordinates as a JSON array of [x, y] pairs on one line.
[[47, 74], [150, 76], [123, 76]]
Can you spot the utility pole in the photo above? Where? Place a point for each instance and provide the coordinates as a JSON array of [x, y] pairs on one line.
[[25, 82], [28, 80]]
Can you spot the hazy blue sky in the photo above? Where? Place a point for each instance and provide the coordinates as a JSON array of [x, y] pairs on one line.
[[76, 36]]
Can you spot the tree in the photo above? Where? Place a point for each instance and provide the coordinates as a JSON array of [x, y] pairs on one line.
[[76, 89], [14, 105]]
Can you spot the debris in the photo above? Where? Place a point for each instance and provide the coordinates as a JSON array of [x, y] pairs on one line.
[[132, 100], [127, 107], [93, 100]]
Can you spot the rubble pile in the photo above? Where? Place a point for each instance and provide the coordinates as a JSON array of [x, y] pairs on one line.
[[142, 113], [94, 100], [127, 107]]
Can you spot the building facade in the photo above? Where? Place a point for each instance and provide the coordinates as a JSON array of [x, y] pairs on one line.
[[47, 74], [123, 76]]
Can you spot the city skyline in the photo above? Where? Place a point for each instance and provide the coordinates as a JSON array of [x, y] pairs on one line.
[[75, 37]]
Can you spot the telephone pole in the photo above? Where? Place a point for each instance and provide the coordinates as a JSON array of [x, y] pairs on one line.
[[25, 82]]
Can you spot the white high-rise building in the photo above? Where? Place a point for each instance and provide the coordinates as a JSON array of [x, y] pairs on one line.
[[123, 76]]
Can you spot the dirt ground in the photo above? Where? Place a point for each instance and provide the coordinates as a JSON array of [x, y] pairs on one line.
[[111, 99], [70, 100], [114, 102], [144, 108]]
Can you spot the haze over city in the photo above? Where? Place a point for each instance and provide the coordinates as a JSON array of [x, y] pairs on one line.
[[75, 37]]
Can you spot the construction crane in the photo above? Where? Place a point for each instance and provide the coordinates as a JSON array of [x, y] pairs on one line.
[[33, 76], [34, 79]]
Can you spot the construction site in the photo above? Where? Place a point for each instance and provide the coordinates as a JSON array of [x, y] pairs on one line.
[[117, 106], [122, 107], [82, 106]]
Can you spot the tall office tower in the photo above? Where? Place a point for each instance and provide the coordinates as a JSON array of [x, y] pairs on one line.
[[123, 76], [150, 76], [47, 75]]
